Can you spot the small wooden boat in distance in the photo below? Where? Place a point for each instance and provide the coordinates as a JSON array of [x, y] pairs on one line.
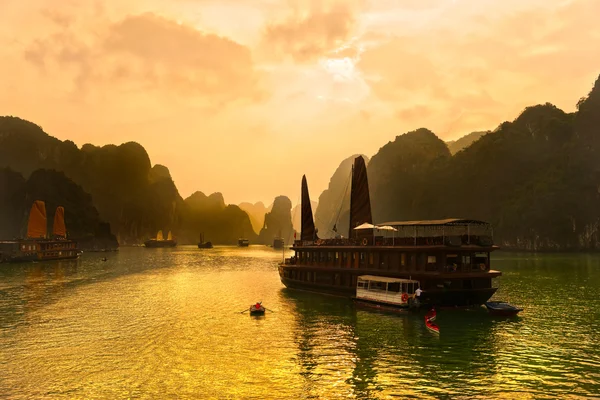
[[204, 245], [278, 243], [502, 308], [243, 242], [257, 309]]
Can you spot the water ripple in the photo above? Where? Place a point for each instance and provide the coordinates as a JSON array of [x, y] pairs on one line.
[[167, 323]]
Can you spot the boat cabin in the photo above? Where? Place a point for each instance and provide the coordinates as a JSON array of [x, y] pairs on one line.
[[386, 290]]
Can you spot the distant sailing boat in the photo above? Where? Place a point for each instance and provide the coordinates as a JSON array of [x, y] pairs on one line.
[[38, 246], [278, 242], [204, 245], [160, 240]]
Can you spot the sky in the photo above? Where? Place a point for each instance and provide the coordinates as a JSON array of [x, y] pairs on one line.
[[244, 97]]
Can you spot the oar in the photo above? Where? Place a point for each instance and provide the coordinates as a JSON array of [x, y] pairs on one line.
[[268, 309], [241, 312]]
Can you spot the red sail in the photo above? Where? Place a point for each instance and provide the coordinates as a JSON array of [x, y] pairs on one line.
[[360, 201], [59, 229], [37, 225], [308, 231]]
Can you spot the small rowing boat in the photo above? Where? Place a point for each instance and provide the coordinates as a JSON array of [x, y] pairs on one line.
[[432, 327], [431, 315], [429, 318], [257, 309], [502, 308]]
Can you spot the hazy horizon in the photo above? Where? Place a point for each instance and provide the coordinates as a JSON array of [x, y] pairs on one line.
[[243, 98]]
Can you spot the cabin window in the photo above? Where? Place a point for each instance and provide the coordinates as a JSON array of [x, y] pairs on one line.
[[480, 260], [362, 284], [394, 287], [337, 257], [344, 258], [363, 258], [329, 256], [403, 259], [370, 258], [466, 261], [382, 260], [377, 286], [431, 263]]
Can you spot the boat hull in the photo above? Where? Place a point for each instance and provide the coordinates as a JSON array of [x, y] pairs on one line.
[[397, 308], [437, 298], [432, 327], [206, 245], [502, 309], [160, 243], [257, 310], [27, 250]]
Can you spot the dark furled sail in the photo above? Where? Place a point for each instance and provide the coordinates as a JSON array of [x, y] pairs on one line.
[[360, 201], [308, 224]]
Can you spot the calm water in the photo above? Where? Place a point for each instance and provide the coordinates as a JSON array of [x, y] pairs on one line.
[[166, 323]]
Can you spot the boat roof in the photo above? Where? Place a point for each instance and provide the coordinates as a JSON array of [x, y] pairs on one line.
[[431, 222], [385, 279]]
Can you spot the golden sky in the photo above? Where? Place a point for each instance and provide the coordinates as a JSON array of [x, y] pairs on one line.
[[243, 97]]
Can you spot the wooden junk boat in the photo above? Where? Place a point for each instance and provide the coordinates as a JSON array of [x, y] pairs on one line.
[[450, 258], [204, 245], [502, 308], [38, 245], [160, 241]]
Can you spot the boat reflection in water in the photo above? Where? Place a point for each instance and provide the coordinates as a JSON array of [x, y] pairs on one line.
[[374, 355]]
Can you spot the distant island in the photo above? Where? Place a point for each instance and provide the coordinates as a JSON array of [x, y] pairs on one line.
[[536, 179]]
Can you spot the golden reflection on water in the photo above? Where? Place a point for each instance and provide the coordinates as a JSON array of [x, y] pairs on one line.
[[161, 323]]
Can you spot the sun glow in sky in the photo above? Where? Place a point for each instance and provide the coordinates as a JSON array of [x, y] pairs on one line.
[[243, 97]]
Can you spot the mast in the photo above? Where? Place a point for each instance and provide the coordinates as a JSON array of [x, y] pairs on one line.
[[360, 200], [308, 231]]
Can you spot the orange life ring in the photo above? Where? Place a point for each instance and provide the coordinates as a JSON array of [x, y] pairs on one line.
[[482, 267], [404, 297], [365, 242]]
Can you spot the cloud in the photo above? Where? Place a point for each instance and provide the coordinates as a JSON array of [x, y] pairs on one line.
[[310, 35], [155, 53]]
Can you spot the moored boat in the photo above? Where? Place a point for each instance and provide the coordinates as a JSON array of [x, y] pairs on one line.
[[243, 242], [502, 308], [38, 245], [450, 258], [160, 241], [385, 293]]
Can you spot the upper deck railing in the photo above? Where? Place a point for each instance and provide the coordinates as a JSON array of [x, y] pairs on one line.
[[450, 232]]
